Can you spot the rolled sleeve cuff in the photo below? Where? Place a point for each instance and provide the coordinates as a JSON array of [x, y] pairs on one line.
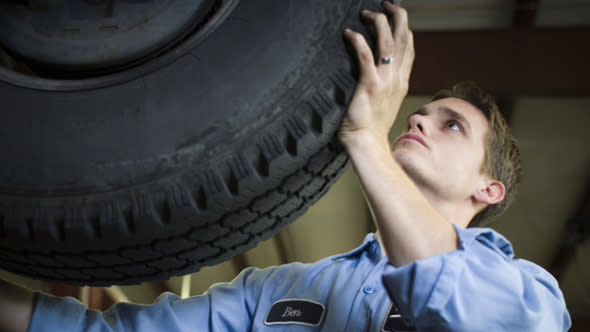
[[59, 313]]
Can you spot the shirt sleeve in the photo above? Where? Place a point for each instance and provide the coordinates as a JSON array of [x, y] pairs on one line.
[[224, 307], [479, 287]]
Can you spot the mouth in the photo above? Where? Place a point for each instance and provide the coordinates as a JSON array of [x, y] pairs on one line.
[[413, 137]]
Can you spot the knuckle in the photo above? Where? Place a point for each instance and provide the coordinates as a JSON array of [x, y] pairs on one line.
[[404, 38], [357, 37], [403, 12], [387, 43], [365, 56], [372, 85], [381, 18]]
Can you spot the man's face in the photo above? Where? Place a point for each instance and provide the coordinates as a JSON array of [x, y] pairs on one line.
[[443, 148]]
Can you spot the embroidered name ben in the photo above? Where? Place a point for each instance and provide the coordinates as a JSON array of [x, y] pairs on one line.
[[290, 312], [295, 311]]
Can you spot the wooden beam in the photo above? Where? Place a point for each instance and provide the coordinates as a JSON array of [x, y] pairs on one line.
[[185, 289], [533, 62], [525, 14], [62, 290]]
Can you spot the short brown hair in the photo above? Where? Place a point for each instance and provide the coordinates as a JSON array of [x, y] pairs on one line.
[[502, 155]]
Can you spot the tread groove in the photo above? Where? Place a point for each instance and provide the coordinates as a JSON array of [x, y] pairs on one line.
[[129, 220], [291, 144], [317, 123], [201, 199], [29, 233], [232, 184], [95, 225], [164, 211], [262, 164]]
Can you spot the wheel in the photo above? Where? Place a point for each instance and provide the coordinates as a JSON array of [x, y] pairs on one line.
[[176, 152]]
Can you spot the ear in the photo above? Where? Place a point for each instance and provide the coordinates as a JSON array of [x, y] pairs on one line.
[[491, 192]]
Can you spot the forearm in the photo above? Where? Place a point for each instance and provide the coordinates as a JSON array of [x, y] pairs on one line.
[[16, 305], [410, 227]]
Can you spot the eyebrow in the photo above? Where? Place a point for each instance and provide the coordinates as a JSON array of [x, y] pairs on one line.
[[457, 116], [446, 110]]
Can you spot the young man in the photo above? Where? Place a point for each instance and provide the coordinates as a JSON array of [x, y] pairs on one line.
[[455, 164]]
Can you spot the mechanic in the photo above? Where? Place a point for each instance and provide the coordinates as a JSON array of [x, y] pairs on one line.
[[455, 166]]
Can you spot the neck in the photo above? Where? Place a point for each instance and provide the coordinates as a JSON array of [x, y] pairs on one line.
[[457, 212]]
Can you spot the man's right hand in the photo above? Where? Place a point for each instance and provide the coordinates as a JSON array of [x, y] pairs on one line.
[[382, 86]]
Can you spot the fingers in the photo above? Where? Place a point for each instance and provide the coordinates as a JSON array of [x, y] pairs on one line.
[[385, 46], [392, 40], [400, 26], [408, 58], [364, 54]]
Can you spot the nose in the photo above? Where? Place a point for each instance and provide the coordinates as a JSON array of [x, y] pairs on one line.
[[418, 123]]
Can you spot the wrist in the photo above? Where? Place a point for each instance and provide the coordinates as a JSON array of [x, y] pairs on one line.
[[363, 140]]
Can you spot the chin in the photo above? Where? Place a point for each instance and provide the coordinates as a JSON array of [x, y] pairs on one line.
[[403, 157], [412, 167]]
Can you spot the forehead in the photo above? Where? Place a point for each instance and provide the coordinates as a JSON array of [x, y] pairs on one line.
[[458, 109]]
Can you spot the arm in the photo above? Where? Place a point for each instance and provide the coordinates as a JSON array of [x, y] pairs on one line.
[[225, 307], [479, 287], [410, 227], [16, 305]]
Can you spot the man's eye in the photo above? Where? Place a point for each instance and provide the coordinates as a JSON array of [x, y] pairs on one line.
[[454, 125]]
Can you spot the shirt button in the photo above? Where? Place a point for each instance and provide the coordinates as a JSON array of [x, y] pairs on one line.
[[368, 290]]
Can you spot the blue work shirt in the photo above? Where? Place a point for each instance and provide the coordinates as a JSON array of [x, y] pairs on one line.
[[479, 287]]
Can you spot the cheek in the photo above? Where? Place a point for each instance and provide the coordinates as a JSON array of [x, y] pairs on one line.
[[472, 161], [461, 159]]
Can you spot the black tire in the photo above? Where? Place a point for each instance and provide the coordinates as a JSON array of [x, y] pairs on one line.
[[182, 161]]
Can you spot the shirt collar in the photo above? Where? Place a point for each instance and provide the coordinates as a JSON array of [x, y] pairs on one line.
[[486, 236], [370, 245]]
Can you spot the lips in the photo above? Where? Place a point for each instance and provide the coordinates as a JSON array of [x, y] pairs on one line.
[[413, 137]]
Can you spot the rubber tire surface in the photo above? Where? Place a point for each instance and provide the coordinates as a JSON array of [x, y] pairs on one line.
[[188, 160]]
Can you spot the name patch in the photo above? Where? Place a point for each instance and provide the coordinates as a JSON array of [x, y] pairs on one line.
[[295, 311], [394, 322]]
